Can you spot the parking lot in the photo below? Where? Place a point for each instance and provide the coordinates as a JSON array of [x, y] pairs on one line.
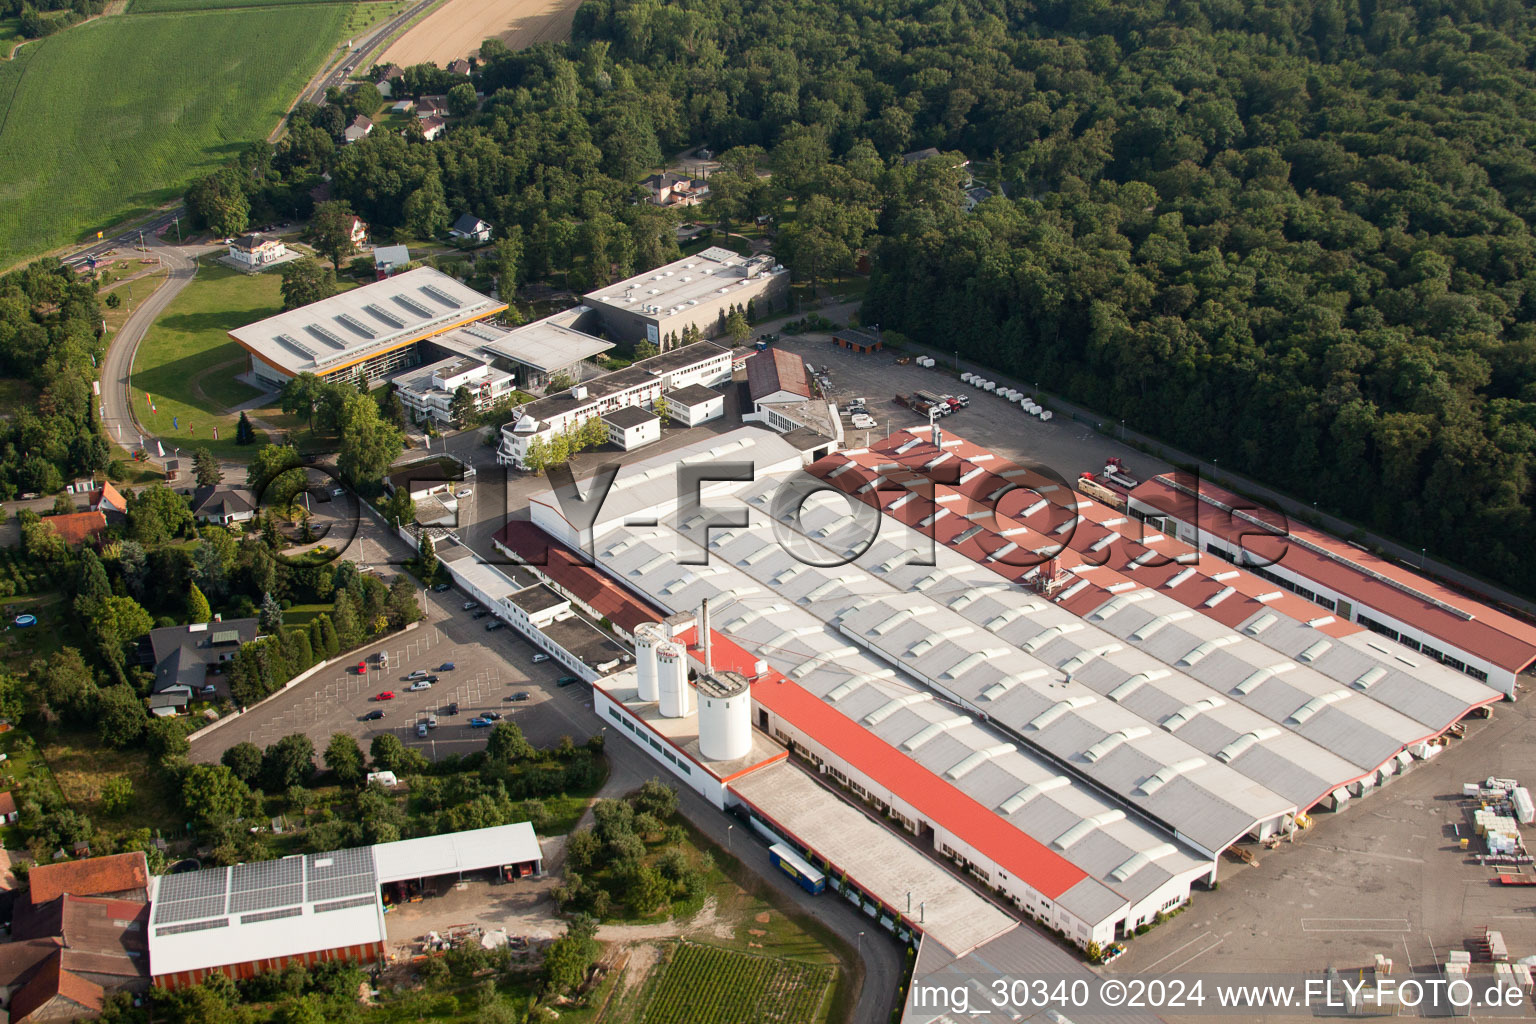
[[1063, 445], [488, 668]]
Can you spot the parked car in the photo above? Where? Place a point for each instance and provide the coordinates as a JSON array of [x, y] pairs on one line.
[[494, 716], [520, 695], [420, 673], [373, 716], [446, 666], [386, 695], [462, 492], [431, 679], [537, 658], [480, 613], [362, 668], [471, 605], [420, 684], [421, 729], [440, 587], [431, 721], [452, 709], [490, 626], [479, 722], [209, 690], [566, 680]]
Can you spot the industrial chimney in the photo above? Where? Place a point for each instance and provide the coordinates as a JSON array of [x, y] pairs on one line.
[[704, 637]]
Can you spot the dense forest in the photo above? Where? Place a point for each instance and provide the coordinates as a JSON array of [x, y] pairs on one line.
[[1294, 236]]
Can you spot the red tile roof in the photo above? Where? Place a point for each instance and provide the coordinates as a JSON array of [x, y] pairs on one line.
[[52, 981], [1347, 570], [78, 527], [7, 803], [93, 876], [575, 575], [777, 370]]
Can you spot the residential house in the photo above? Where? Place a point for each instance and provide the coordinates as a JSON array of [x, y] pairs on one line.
[[257, 250], [183, 655], [675, 190], [404, 106], [78, 527], [386, 83], [426, 106], [359, 231], [79, 932], [8, 811], [359, 128], [460, 67], [174, 700], [432, 127], [389, 258], [470, 228], [107, 498], [216, 503], [975, 196]]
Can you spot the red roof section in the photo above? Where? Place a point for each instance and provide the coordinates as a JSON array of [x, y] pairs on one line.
[[934, 798], [78, 527], [7, 803], [91, 877], [1503, 639], [776, 370], [575, 575], [931, 796], [50, 981]]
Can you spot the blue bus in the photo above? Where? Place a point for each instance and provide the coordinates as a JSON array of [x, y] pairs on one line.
[[796, 867]]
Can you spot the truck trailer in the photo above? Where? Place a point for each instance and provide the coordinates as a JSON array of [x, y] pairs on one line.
[[796, 867]]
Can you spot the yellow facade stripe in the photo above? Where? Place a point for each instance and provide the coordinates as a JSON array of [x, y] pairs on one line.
[[381, 352]]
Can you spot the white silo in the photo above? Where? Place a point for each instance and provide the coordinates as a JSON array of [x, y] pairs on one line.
[[725, 716], [647, 636], [675, 696]]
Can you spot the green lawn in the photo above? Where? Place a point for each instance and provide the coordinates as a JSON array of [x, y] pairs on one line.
[[188, 362], [109, 119]]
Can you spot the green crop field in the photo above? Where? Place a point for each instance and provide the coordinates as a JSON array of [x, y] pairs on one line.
[[158, 6], [111, 118], [709, 985]]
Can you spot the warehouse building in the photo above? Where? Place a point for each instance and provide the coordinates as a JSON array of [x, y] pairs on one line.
[[1120, 718], [368, 333], [696, 291], [1348, 581], [242, 920]]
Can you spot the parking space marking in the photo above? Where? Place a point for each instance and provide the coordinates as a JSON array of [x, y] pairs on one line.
[[1174, 952], [1196, 956], [1355, 924]]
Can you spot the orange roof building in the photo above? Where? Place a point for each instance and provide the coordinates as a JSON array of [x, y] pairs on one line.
[[78, 527], [123, 874]]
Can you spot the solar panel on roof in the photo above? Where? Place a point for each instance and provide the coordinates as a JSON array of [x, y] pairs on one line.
[[298, 346], [347, 904], [379, 313], [357, 325], [196, 926], [442, 296], [225, 636], [189, 910], [271, 915], [413, 306], [325, 335]]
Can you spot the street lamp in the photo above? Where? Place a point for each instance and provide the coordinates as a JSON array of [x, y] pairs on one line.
[[728, 830], [860, 945]]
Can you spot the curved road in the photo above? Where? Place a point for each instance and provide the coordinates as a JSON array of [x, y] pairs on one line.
[[117, 365]]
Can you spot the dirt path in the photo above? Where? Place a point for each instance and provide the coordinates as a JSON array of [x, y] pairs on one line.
[[707, 920]]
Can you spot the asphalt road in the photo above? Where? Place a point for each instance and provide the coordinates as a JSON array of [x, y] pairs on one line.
[[117, 365], [148, 231], [361, 53]]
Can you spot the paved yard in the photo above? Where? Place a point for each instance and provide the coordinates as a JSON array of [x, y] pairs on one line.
[[1383, 876]]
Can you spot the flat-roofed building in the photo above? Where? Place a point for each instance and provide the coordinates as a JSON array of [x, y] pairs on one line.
[[637, 385], [694, 404], [368, 333], [695, 291], [430, 391], [562, 343], [632, 427]]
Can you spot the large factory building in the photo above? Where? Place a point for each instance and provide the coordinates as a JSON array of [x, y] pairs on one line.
[[1082, 716]]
